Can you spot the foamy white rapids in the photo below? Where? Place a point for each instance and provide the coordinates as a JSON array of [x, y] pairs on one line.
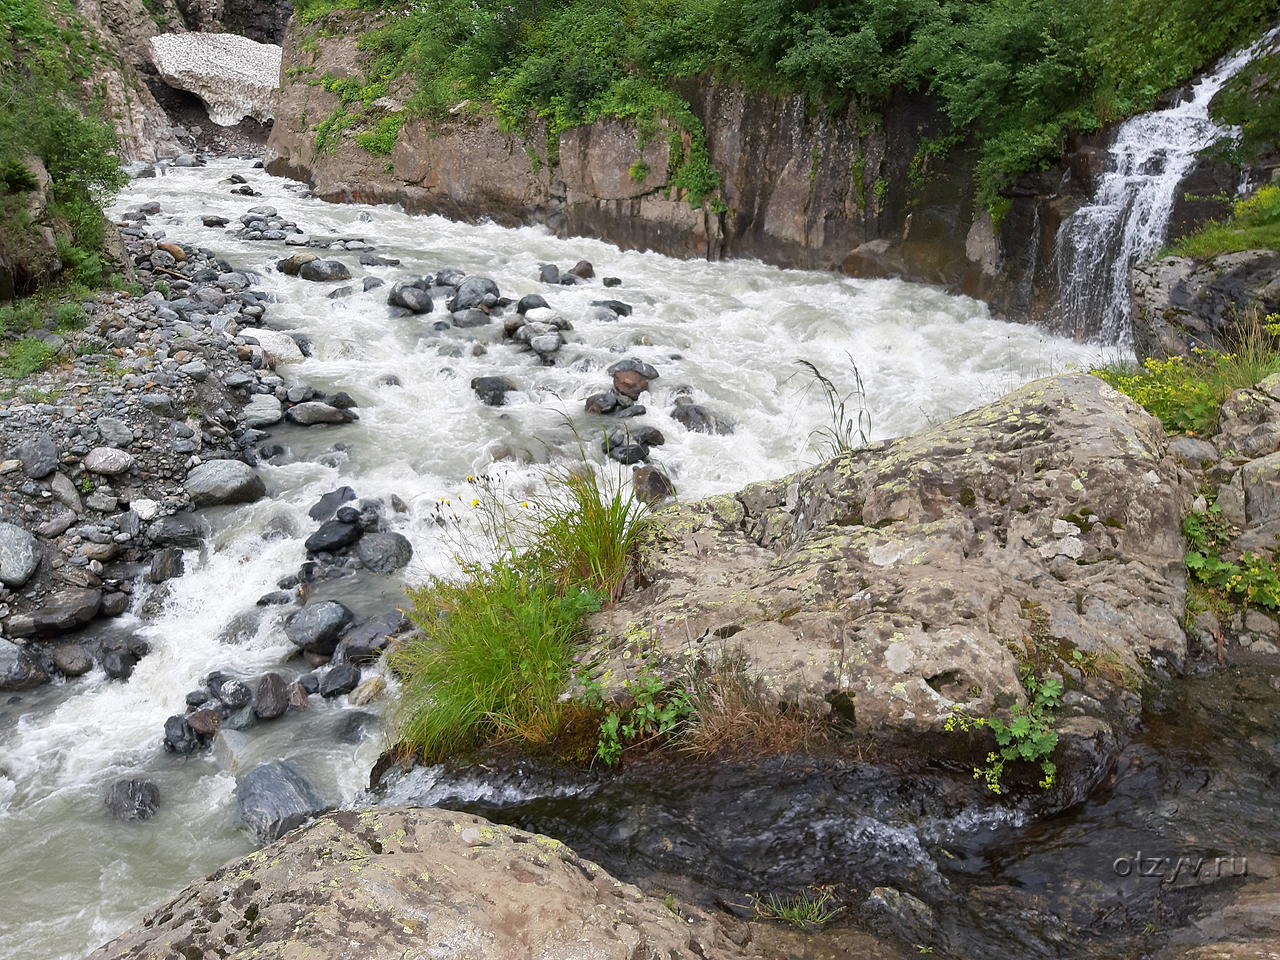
[[731, 333], [1128, 216]]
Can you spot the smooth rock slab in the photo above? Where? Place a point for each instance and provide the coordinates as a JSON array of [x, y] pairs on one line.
[[19, 555], [275, 798], [281, 347], [224, 481], [404, 882], [262, 410]]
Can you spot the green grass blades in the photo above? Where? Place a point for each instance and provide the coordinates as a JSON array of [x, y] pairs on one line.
[[808, 909], [1253, 225]]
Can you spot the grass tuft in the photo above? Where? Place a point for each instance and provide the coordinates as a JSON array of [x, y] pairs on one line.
[[807, 909], [1254, 225]]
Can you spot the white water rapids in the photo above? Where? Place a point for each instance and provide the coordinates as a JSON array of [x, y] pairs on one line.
[[732, 332]]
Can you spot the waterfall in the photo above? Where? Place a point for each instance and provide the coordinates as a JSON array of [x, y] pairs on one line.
[[1128, 215]]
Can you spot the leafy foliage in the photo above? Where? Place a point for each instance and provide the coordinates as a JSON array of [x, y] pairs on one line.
[[1253, 580], [1027, 736], [25, 357], [1254, 225]]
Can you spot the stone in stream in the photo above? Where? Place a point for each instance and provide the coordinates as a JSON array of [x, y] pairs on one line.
[[262, 410], [224, 481], [166, 564], [39, 457], [328, 504], [205, 722], [493, 390], [470, 318], [232, 693], [549, 273], [133, 799], [179, 737], [19, 555], [384, 552], [63, 610], [178, 530], [372, 260], [333, 535], [119, 655], [72, 659], [298, 697], [583, 269], [412, 295], [627, 453], [280, 347], [214, 221], [313, 412], [292, 265], [340, 678], [617, 306], [473, 292], [18, 671], [369, 690], [612, 281], [275, 798], [365, 641], [323, 271], [651, 485], [604, 402], [532, 301], [695, 417], [450, 277], [316, 627], [271, 699]]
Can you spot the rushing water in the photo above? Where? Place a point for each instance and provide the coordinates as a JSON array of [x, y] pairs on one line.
[[1128, 216], [731, 332]]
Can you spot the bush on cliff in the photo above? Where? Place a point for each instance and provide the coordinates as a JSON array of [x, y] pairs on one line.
[[1017, 74]]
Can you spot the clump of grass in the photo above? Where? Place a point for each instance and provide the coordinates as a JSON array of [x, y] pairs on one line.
[[849, 425], [1254, 225], [25, 357], [1186, 393], [494, 646], [808, 909]]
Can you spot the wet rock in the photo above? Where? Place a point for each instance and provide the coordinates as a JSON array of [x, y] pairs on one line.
[[298, 697], [166, 564], [493, 390], [583, 269], [65, 610], [612, 281], [369, 690], [473, 292], [133, 799], [224, 481], [317, 626], [470, 318], [233, 693], [19, 555], [340, 678], [370, 260], [39, 457], [651, 485], [179, 737], [412, 295], [604, 402], [214, 221], [365, 641], [262, 410], [627, 452], [18, 671], [314, 412], [328, 504], [280, 347], [617, 306], [271, 699], [293, 264], [118, 658], [72, 659], [178, 530], [482, 875], [384, 552], [333, 535], [324, 271], [549, 273], [699, 419], [275, 798], [113, 603], [205, 722], [532, 301]]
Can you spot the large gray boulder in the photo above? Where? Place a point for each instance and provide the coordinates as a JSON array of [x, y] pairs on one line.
[[317, 626], [399, 882], [275, 798], [19, 555], [908, 578], [224, 481]]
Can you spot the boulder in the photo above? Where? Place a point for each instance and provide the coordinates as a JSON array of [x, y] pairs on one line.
[[365, 641], [271, 699], [369, 690], [178, 530], [133, 799], [532, 301], [472, 292], [280, 347], [275, 798], [65, 610], [115, 432], [18, 671], [384, 552], [398, 880], [333, 535], [292, 264], [324, 271], [262, 410], [492, 390], [313, 412], [317, 626], [1053, 516], [699, 419], [179, 737], [413, 295], [651, 485], [338, 679], [166, 564], [328, 504], [39, 457], [224, 481], [72, 659], [19, 555]]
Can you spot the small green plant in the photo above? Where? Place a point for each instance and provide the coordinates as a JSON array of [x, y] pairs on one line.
[[1027, 736], [849, 425], [68, 316], [808, 909], [1254, 224], [380, 139], [638, 171], [163, 288], [1254, 580], [26, 357]]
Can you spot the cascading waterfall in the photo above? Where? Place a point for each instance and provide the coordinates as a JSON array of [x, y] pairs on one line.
[[1128, 216]]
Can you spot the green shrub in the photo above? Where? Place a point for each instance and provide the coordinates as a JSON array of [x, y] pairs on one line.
[[25, 357], [381, 138], [1253, 580], [1254, 225], [1027, 736]]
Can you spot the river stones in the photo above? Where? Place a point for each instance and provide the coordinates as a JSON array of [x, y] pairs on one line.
[[651, 485], [224, 481], [275, 798], [179, 737], [697, 418], [39, 457], [617, 306], [313, 412], [293, 264], [271, 698], [631, 377], [473, 292], [133, 799], [262, 410], [115, 432], [369, 690], [324, 271], [338, 679], [412, 295], [317, 626], [583, 269], [493, 391], [19, 555], [178, 530], [384, 552], [18, 671], [333, 535], [72, 659], [63, 610], [360, 873], [532, 301], [328, 504], [166, 564], [280, 347], [365, 641], [549, 273]]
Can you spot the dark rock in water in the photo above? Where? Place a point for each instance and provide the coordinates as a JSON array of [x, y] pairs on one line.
[[195, 698], [627, 453], [214, 221], [241, 719], [632, 365], [39, 457], [332, 536], [583, 269], [370, 260], [179, 530], [492, 390], [314, 412], [232, 692], [72, 659], [272, 697], [364, 642], [309, 682], [604, 402], [66, 610], [114, 604], [275, 798], [179, 737], [372, 283], [617, 306], [18, 671], [340, 678], [317, 627], [651, 485], [298, 697], [472, 292], [165, 565], [612, 281], [384, 552], [133, 799], [649, 436], [412, 295], [693, 416], [355, 725], [549, 273], [629, 384], [117, 660], [470, 318], [343, 401], [205, 722], [292, 265], [531, 301], [277, 598], [327, 505], [339, 292], [224, 481], [324, 270], [570, 280]]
